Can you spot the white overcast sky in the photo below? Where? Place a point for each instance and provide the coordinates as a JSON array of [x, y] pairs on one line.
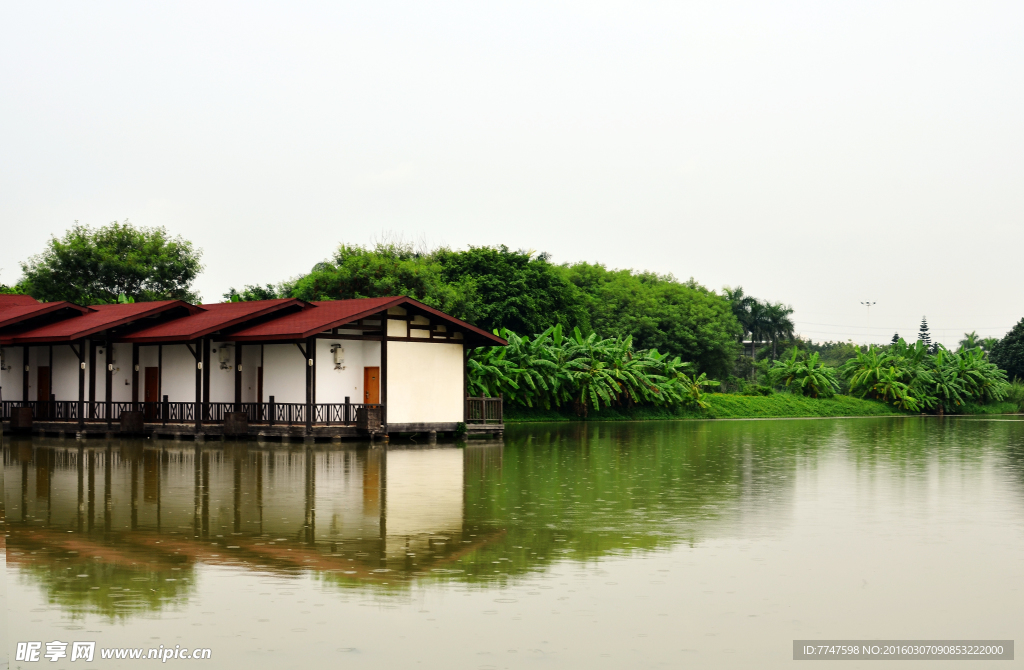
[[820, 154]]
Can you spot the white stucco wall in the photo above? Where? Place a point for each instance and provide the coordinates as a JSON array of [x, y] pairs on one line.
[[179, 374], [284, 374], [10, 380], [333, 385], [424, 382], [222, 379]]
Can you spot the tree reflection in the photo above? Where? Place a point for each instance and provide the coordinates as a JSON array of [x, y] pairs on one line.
[[120, 527]]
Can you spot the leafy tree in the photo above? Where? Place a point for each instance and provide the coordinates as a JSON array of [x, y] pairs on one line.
[[913, 378], [96, 265], [659, 312], [778, 325], [895, 338], [584, 372], [805, 374], [1008, 354], [970, 340], [253, 292], [389, 269], [517, 290]]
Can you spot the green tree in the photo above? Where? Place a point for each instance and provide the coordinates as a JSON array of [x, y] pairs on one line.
[[970, 340], [805, 374], [518, 290], [97, 265], [659, 312], [253, 292], [1008, 354]]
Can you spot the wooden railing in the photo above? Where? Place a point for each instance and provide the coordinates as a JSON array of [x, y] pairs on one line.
[[484, 410], [270, 413]]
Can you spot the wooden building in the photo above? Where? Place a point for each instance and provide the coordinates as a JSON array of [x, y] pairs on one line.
[[273, 367]]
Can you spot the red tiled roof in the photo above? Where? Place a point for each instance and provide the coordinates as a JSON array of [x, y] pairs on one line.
[[324, 315], [15, 314], [7, 301], [98, 318], [316, 318], [214, 317]]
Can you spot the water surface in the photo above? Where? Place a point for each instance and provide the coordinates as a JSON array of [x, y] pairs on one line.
[[712, 544]]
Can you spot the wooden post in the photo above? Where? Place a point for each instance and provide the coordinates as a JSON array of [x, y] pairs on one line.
[[108, 380], [160, 373], [81, 385], [238, 377], [273, 407], [347, 416], [310, 381], [384, 368], [198, 412], [135, 376], [206, 378], [49, 381], [92, 378], [465, 383], [24, 375]]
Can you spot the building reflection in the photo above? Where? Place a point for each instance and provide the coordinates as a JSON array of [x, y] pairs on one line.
[[128, 512], [121, 526]]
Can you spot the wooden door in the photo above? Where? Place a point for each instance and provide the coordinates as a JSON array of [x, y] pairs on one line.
[[43, 391], [371, 386], [152, 393]]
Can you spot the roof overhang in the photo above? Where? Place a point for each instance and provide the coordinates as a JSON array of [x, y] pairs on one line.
[[114, 322], [16, 315], [295, 336], [142, 338]]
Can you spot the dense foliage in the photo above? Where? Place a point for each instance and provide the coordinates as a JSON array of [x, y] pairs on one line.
[[1008, 353], [681, 319], [97, 265], [552, 370], [805, 374], [495, 287], [911, 377], [760, 320]]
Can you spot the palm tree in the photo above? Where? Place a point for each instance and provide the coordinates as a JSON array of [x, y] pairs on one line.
[[970, 340], [778, 324]]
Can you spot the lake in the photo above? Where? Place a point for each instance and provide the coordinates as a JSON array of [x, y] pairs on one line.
[[712, 544]]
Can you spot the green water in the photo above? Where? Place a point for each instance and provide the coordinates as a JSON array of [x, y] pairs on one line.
[[712, 544]]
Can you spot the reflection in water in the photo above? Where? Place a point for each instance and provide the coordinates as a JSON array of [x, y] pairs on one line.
[[120, 528]]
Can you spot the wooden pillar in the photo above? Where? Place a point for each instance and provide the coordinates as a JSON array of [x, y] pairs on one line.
[[81, 385], [49, 364], [92, 376], [384, 369], [135, 375], [197, 412], [24, 374], [238, 377], [310, 381], [465, 381], [109, 379], [206, 377], [159, 372]]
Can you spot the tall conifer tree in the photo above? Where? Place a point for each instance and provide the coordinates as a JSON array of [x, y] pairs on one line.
[[923, 334]]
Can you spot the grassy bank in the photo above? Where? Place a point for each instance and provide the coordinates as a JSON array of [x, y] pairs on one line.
[[730, 406]]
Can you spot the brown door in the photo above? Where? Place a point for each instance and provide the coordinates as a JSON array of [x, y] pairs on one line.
[[259, 384], [152, 393], [43, 391], [371, 386]]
